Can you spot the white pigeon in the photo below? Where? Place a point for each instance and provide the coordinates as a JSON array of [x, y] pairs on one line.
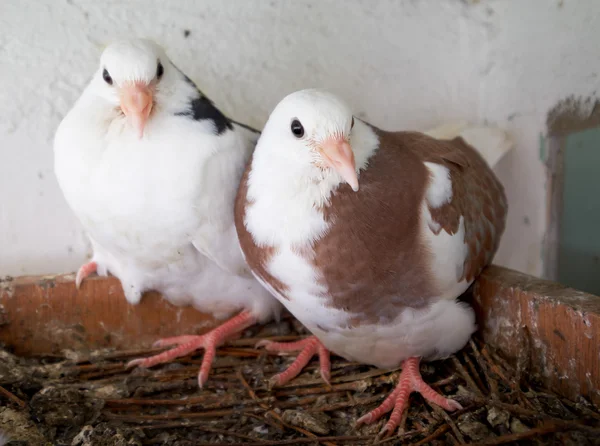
[[151, 168]]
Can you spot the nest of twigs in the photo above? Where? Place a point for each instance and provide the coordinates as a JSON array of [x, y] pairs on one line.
[[91, 399]]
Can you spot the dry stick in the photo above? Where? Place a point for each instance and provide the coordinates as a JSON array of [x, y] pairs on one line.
[[525, 400], [449, 421], [226, 403], [350, 397], [406, 436], [344, 404], [546, 428], [466, 376], [123, 354], [95, 367], [535, 401], [251, 342], [356, 382], [14, 398], [484, 366], [582, 408], [165, 386], [102, 373], [341, 438], [474, 373], [426, 413], [444, 381], [375, 373], [141, 418], [267, 420], [513, 384], [451, 440], [163, 402], [523, 358], [433, 436], [501, 361], [273, 413], [304, 401], [518, 410], [200, 426], [318, 390], [493, 365], [513, 408]]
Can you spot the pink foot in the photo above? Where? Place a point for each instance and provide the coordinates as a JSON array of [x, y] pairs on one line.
[[410, 381], [84, 271], [187, 344], [308, 348]]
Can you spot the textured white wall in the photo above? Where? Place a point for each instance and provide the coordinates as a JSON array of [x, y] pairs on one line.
[[401, 64]]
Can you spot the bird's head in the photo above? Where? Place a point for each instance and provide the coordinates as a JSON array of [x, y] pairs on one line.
[[130, 75], [313, 127]]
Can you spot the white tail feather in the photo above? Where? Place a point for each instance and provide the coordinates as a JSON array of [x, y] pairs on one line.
[[492, 143], [448, 131]]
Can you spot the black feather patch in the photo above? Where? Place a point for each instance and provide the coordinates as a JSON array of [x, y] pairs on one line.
[[202, 108]]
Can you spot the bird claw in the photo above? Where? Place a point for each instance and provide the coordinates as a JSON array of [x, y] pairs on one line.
[[135, 362], [158, 344], [455, 405], [410, 381], [273, 382], [202, 378], [264, 343], [384, 432], [365, 419], [85, 270]]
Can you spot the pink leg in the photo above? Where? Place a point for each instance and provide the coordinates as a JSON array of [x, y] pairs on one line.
[[187, 344], [410, 381], [84, 271], [308, 348]]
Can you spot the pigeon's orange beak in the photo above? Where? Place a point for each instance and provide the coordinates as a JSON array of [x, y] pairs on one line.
[[338, 155], [136, 103]]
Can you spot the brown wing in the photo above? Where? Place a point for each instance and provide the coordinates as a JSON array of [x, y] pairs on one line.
[[372, 261], [477, 195]]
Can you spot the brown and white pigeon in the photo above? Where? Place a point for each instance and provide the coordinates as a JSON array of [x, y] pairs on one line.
[[368, 237], [151, 169]]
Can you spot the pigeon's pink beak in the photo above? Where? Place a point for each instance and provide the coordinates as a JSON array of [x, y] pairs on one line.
[[136, 103], [338, 155]]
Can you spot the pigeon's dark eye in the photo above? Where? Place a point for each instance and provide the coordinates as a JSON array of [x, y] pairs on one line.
[[352, 125], [159, 70], [297, 129], [107, 77]]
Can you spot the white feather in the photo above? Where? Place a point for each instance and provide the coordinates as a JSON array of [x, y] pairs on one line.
[[492, 143], [434, 332], [439, 191]]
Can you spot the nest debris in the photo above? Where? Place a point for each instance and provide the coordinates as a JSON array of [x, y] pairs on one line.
[[92, 400]]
